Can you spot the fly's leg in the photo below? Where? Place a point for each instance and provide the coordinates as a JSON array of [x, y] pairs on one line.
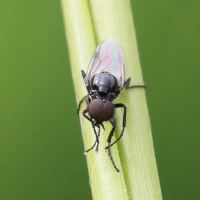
[[96, 142], [87, 85], [83, 73], [88, 118], [88, 100], [113, 122], [97, 147], [127, 82], [93, 126], [120, 105], [79, 105]]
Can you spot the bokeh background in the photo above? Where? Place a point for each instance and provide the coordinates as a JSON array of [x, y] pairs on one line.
[[41, 148]]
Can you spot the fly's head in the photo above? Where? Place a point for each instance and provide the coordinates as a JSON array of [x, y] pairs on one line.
[[101, 110]]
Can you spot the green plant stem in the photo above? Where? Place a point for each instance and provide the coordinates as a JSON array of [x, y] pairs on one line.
[[135, 158], [114, 19], [104, 181]]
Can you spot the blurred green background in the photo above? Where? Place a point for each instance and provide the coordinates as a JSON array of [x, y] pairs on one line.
[[41, 148]]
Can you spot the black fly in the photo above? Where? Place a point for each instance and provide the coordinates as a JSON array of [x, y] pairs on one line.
[[104, 81]]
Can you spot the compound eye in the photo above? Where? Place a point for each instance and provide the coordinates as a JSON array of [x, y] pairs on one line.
[[108, 111], [101, 111]]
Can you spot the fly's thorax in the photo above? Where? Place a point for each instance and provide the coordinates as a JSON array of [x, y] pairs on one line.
[[101, 110], [105, 85]]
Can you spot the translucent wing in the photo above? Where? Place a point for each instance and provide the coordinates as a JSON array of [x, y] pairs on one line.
[[107, 58]]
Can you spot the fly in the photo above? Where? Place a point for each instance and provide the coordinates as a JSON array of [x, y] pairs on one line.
[[104, 81]]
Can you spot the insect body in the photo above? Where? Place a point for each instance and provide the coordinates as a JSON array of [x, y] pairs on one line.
[[104, 81]]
